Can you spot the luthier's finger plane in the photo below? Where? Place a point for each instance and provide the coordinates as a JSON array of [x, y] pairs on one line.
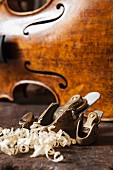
[[69, 117], [87, 132]]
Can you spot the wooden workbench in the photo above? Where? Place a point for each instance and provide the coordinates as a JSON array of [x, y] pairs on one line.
[[98, 156]]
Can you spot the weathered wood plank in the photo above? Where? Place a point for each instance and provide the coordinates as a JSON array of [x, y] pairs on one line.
[[98, 156]]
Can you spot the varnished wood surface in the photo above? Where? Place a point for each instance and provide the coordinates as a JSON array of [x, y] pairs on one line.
[[67, 41], [98, 156]]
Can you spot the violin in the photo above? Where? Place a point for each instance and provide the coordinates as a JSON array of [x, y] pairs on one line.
[[65, 46]]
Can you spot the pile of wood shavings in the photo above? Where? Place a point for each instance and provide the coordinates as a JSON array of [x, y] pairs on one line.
[[37, 138]]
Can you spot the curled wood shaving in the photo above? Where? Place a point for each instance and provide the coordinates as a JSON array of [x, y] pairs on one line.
[[37, 138]]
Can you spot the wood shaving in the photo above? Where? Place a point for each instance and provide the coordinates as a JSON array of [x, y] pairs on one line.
[[42, 141]]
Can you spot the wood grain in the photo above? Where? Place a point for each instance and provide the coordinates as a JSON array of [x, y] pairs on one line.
[[97, 156], [75, 50]]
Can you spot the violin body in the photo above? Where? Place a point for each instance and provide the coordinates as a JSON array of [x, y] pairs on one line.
[[65, 46]]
